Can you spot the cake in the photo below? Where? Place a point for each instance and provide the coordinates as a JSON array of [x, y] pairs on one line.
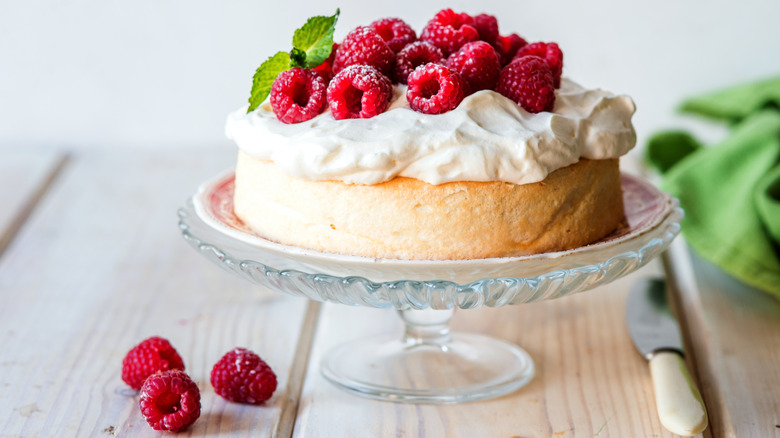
[[494, 175]]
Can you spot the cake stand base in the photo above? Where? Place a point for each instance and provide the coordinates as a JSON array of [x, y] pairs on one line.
[[428, 364]]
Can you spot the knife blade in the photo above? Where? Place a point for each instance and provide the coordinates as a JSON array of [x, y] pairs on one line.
[[656, 335]]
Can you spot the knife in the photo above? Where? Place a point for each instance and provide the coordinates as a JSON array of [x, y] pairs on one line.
[[656, 335]]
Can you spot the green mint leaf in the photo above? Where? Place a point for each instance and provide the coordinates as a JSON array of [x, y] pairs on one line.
[[315, 38], [297, 58], [264, 78]]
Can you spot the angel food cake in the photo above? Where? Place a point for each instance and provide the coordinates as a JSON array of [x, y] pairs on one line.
[[476, 147]]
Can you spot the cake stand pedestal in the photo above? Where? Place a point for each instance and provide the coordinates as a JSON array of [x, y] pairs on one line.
[[428, 363]]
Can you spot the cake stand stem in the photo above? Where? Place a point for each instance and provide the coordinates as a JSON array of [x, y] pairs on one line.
[[427, 326], [428, 364]]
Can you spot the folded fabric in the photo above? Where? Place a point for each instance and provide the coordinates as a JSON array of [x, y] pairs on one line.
[[730, 192], [737, 103]]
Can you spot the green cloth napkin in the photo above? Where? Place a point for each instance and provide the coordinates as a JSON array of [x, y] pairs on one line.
[[730, 192]]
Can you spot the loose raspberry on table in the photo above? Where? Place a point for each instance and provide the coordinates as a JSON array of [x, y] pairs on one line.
[[507, 47], [449, 30], [487, 27], [150, 356], [363, 45], [529, 82], [396, 33], [359, 92], [170, 401], [435, 89], [298, 95], [326, 68], [478, 63], [550, 52], [241, 376], [415, 55]]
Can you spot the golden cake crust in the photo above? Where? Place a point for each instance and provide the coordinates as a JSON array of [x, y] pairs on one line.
[[406, 218]]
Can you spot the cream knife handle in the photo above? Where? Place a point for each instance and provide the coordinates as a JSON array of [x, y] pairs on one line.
[[679, 403]]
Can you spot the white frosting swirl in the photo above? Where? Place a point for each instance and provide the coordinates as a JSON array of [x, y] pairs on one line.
[[486, 138]]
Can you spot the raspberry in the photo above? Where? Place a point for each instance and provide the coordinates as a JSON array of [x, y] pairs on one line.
[[449, 30], [326, 68], [241, 376], [550, 52], [363, 45], [507, 47], [170, 401], [487, 27], [413, 56], [359, 92], [298, 95], [529, 82], [478, 63], [150, 356], [396, 33], [435, 89]]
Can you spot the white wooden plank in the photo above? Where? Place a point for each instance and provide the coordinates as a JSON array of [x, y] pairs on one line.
[[24, 177], [735, 332], [590, 380], [100, 266]]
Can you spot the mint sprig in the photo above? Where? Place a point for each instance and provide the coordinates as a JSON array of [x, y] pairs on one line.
[[312, 44], [264, 78], [298, 57], [315, 39]]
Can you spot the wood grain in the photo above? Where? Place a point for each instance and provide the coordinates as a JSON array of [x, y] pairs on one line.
[[734, 330], [590, 380], [99, 266], [25, 177]]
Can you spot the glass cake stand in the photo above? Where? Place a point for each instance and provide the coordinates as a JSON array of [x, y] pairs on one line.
[[428, 363]]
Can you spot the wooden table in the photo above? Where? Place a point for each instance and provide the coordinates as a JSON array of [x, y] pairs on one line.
[[92, 262]]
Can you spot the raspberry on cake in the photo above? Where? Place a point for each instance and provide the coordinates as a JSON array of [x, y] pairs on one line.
[[487, 27], [435, 89], [449, 30], [550, 53], [297, 95], [413, 56], [363, 45], [507, 47], [478, 63], [359, 92], [396, 33], [529, 82], [469, 160]]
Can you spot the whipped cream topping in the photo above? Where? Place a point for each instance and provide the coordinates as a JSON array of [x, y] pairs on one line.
[[486, 138]]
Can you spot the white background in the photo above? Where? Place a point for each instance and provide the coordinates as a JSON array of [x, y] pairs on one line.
[[164, 74]]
